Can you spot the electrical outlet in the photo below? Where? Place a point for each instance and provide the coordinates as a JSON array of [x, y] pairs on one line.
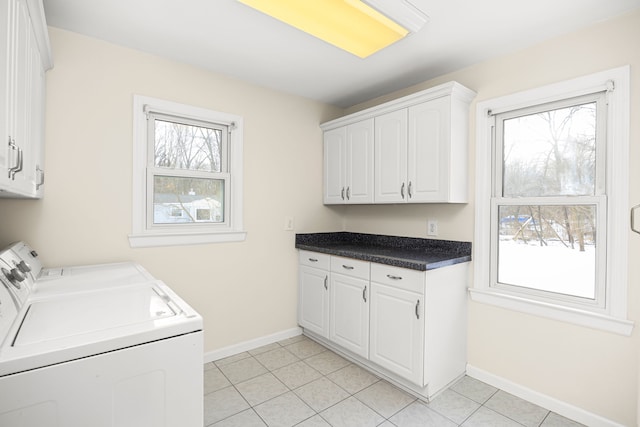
[[288, 223], [432, 227]]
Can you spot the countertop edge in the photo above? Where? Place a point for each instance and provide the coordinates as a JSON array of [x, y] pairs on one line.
[[396, 262]]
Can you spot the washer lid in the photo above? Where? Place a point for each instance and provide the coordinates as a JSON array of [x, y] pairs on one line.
[[90, 312]]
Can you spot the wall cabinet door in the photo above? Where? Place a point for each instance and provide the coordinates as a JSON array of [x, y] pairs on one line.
[[359, 162], [8, 148], [428, 150], [313, 300], [335, 165], [37, 124], [22, 102], [349, 313], [397, 331], [348, 164], [391, 157]]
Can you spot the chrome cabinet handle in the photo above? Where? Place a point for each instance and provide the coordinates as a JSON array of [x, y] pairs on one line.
[[313, 259], [326, 279], [409, 190], [348, 193], [417, 312], [20, 163], [364, 294], [40, 172], [14, 147], [392, 277], [347, 267], [342, 193], [402, 190], [633, 222]]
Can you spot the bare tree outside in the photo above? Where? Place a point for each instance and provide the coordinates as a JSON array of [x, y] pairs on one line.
[[546, 154], [187, 147]]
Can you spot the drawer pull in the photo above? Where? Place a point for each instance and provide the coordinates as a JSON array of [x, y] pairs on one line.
[[392, 277], [364, 294], [347, 267], [417, 312], [313, 259], [326, 278]]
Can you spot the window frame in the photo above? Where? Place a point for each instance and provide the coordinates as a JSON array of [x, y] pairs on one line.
[[597, 199], [147, 234], [610, 312]]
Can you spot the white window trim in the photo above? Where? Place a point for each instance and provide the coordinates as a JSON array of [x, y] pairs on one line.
[[144, 236], [613, 317]]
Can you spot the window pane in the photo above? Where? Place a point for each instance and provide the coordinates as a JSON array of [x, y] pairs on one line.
[[180, 146], [548, 248], [187, 200], [550, 153]]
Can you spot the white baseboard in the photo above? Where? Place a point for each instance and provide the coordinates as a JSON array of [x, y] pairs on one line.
[[559, 407], [250, 345]]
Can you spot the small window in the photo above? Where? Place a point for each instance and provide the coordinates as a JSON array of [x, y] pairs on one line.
[[204, 215], [176, 212], [187, 174], [551, 201]]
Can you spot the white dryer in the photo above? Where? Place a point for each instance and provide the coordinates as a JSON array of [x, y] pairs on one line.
[[106, 353]]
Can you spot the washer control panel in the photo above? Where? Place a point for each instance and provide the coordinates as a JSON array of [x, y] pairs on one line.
[[15, 274]]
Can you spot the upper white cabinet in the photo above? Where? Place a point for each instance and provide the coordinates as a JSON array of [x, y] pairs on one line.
[[419, 148], [24, 58], [348, 164], [391, 157]]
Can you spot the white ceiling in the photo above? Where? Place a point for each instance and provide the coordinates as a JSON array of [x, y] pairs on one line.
[[228, 37]]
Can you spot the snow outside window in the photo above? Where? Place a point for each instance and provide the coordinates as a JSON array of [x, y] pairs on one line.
[[187, 175], [552, 180]]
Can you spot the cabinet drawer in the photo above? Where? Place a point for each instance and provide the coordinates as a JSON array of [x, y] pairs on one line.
[[314, 259], [401, 278], [350, 267]]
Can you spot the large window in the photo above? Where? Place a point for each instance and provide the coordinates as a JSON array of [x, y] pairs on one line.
[[552, 178], [187, 174]]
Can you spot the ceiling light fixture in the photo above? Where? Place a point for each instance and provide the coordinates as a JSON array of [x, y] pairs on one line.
[[359, 27]]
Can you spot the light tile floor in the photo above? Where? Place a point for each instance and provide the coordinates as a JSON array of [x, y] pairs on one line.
[[298, 382]]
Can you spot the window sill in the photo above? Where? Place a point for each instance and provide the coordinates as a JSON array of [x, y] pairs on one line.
[[551, 311], [176, 239]]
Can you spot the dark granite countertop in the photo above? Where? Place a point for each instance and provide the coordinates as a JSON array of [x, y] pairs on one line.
[[405, 252]]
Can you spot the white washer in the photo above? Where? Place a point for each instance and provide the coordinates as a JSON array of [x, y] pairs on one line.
[[74, 278], [107, 354]]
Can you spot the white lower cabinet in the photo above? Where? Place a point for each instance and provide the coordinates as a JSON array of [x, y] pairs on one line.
[[408, 326], [313, 292], [397, 331], [349, 304], [349, 313]]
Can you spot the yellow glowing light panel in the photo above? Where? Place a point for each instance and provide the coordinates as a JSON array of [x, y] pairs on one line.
[[348, 24]]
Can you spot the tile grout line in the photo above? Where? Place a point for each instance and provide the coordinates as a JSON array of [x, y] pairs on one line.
[[327, 369]]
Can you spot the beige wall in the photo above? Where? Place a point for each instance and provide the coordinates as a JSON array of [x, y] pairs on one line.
[[593, 370], [243, 290], [248, 290]]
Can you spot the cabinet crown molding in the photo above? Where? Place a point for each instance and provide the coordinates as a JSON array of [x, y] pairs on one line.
[[453, 89]]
